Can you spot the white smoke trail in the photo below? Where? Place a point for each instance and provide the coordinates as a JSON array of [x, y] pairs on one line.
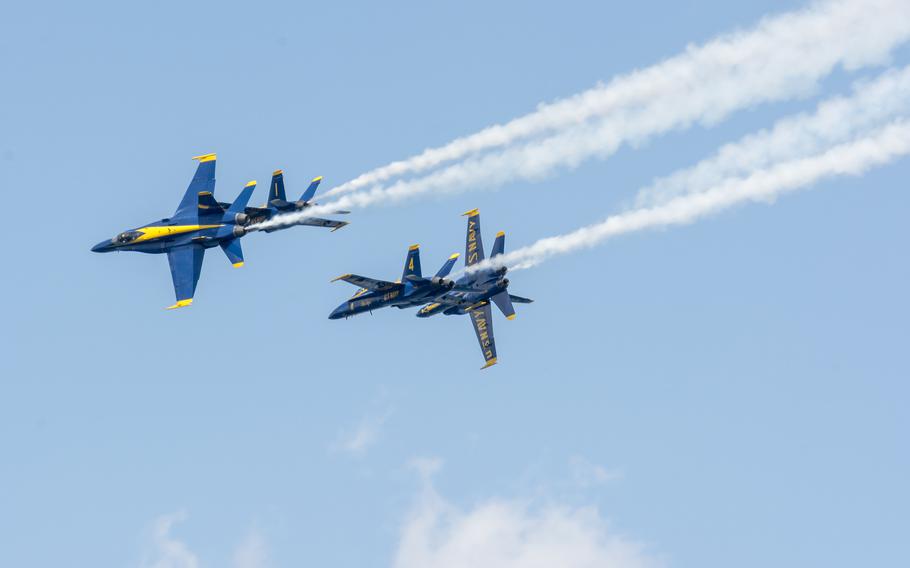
[[781, 57], [835, 120], [877, 148], [838, 119]]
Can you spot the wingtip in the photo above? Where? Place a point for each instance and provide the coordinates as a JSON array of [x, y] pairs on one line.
[[237, 264], [511, 317], [500, 234], [343, 276], [277, 173], [454, 256], [180, 304], [343, 225], [471, 213], [205, 158], [413, 247], [489, 364], [317, 178], [250, 183]]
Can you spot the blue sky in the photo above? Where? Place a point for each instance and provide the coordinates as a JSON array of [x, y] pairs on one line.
[[729, 392]]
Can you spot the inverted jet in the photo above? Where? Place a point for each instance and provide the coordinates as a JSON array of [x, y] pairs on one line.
[[412, 290], [476, 289], [277, 204]]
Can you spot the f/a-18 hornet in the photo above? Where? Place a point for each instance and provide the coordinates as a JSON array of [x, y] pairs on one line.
[[412, 290], [474, 290], [277, 204], [199, 223]]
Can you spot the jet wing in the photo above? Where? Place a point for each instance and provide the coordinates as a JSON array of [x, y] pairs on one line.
[[369, 283], [317, 222], [203, 181], [186, 265], [482, 319]]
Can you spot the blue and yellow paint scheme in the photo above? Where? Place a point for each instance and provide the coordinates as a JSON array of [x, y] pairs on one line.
[[277, 204], [412, 290], [473, 292], [200, 222]]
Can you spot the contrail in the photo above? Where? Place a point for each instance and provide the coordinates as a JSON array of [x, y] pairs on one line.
[[877, 148], [781, 57]]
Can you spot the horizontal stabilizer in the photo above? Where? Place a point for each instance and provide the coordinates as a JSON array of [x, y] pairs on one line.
[[520, 300], [504, 304], [233, 251]]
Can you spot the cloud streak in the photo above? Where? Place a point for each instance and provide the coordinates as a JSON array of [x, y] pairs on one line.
[[703, 84]]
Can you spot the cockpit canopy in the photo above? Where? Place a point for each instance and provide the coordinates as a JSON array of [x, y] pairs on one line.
[[126, 237]]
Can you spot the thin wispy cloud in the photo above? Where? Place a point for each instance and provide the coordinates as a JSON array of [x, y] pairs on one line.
[[586, 474], [167, 551], [511, 533], [368, 430], [252, 552]]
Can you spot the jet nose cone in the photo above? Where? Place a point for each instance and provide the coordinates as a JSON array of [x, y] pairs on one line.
[[337, 313], [103, 246]]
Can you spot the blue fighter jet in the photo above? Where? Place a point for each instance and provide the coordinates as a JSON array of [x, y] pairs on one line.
[[473, 292], [277, 204], [199, 223], [412, 290]]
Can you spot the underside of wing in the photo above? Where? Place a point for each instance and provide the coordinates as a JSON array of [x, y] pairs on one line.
[[317, 222], [482, 319], [369, 283], [186, 265], [203, 181]]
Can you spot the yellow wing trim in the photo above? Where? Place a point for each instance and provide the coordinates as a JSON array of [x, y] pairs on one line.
[[489, 364], [237, 264], [277, 172], [413, 247], [454, 256], [180, 304], [471, 213], [205, 158], [342, 277], [500, 234], [318, 178], [511, 317]]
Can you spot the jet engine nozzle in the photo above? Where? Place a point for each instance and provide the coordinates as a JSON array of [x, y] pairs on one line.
[[504, 283], [241, 219], [239, 231], [443, 282]]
